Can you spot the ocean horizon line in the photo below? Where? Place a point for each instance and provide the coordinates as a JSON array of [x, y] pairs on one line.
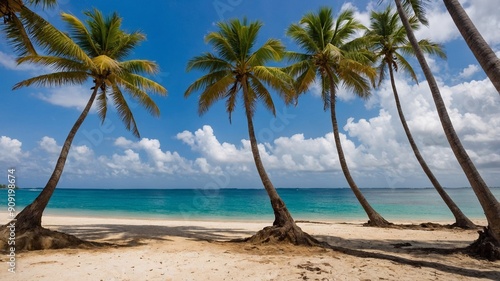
[[244, 188]]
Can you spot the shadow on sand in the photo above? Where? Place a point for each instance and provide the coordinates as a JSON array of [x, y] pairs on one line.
[[391, 250]]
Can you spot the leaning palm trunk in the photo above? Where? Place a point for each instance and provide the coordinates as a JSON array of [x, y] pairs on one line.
[[461, 220], [31, 216], [481, 50], [375, 219], [30, 235], [489, 203], [284, 227]]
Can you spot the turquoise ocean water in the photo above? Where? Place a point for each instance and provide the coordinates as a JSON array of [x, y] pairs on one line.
[[251, 204]]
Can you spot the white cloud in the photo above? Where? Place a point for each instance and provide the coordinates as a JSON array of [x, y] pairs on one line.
[[11, 151], [67, 96], [49, 145], [469, 71], [9, 62]]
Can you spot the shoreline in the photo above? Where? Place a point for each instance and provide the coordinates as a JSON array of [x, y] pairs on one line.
[[52, 216], [152, 249]]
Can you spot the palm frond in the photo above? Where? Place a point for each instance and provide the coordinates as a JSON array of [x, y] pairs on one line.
[[55, 79], [143, 83], [56, 63], [208, 62], [271, 50], [206, 81], [17, 36], [214, 92], [139, 95], [123, 111], [50, 39]]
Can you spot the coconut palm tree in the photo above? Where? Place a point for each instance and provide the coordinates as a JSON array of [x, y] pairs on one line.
[[16, 15], [94, 50], [237, 70], [491, 236], [390, 44], [333, 57], [481, 50]]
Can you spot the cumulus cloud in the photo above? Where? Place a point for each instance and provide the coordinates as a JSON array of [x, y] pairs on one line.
[[11, 151], [469, 71]]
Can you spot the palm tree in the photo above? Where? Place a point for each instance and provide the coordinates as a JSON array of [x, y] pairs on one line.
[[389, 44], [94, 51], [481, 50], [332, 56], [236, 71], [490, 205], [16, 15]]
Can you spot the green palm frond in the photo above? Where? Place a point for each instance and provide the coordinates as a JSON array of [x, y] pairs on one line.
[[140, 96], [80, 34], [418, 8], [102, 105], [123, 111], [51, 40], [94, 49], [43, 3], [272, 50], [262, 94], [221, 46], [391, 44], [431, 48], [208, 62], [276, 78], [405, 65], [214, 92], [143, 83], [232, 95], [55, 79], [206, 81], [234, 66], [140, 66], [332, 54], [56, 63], [17, 35]]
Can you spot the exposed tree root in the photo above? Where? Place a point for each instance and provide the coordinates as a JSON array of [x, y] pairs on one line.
[[464, 224], [287, 234], [378, 223], [40, 238], [485, 246]]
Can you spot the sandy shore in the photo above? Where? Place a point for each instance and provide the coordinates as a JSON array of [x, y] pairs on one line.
[[198, 250]]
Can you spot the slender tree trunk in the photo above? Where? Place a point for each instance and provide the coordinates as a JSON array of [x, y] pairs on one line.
[[460, 219], [281, 214], [375, 218], [481, 50], [488, 202], [31, 216]]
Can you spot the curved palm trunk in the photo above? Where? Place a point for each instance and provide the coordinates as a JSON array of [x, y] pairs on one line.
[[31, 216], [481, 50], [284, 228], [460, 219], [282, 216], [375, 218], [488, 202]]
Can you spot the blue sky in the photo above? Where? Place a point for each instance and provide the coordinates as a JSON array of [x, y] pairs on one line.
[[183, 150]]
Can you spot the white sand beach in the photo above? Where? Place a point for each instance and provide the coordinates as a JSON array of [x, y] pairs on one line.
[[198, 250]]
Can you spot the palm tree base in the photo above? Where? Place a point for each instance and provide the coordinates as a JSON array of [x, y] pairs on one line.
[[290, 233], [464, 224], [39, 238], [486, 246], [378, 222]]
